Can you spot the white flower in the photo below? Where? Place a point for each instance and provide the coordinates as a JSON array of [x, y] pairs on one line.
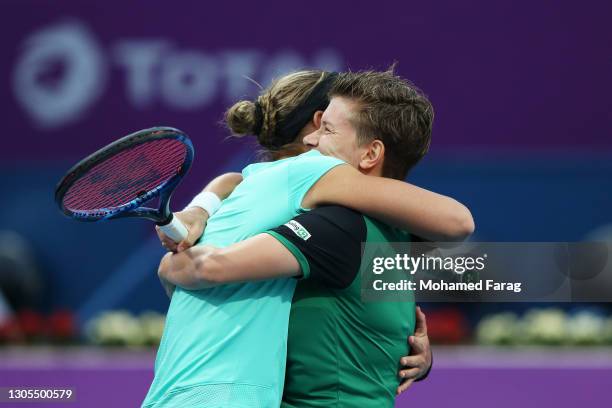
[[606, 331], [152, 324], [497, 329], [586, 328], [544, 326], [115, 328]]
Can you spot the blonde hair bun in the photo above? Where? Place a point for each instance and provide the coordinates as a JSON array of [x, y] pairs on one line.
[[241, 118]]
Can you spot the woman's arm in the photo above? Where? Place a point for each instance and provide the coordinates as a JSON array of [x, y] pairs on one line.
[[257, 258], [195, 218], [223, 185], [421, 212]]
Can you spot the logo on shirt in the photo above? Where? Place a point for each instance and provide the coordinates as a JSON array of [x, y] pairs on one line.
[[298, 229]]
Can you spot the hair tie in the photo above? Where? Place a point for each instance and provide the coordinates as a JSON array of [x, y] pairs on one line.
[[259, 118]]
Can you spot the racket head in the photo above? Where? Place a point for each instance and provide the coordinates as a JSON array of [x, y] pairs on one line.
[[116, 180]]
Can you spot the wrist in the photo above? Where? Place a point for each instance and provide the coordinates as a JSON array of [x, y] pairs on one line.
[[197, 212]]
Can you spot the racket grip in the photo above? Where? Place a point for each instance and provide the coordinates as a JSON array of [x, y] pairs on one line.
[[175, 230]]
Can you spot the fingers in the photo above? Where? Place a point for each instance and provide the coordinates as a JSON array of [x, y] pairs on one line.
[[421, 323], [166, 242], [169, 244], [409, 373], [403, 386], [185, 244], [195, 221], [413, 361], [195, 232], [417, 346]]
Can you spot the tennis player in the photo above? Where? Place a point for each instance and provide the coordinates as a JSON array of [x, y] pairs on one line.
[[225, 346]]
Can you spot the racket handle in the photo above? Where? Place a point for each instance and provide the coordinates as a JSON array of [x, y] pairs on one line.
[[175, 230]]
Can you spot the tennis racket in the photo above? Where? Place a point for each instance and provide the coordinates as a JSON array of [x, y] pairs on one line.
[[117, 180]]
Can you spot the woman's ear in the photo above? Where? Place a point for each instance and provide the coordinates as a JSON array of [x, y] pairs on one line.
[[373, 155], [316, 119], [311, 126]]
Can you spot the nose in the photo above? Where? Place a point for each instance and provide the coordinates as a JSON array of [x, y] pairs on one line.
[[312, 139]]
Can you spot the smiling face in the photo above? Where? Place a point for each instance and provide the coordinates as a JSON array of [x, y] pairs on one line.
[[336, 135]]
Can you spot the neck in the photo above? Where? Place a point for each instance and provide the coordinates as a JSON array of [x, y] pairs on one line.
[[375, 171]]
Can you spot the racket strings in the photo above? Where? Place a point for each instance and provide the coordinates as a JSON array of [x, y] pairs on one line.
[[127, 175], [140, 170]]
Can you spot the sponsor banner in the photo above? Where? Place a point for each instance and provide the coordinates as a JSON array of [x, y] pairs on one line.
[[77, 75]]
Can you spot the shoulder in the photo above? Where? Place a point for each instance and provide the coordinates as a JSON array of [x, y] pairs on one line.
[[314, 157], [344, 219], [329, 240], [254, 168], [381, 231]]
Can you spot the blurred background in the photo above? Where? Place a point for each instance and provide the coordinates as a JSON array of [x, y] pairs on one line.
[[522, 136]]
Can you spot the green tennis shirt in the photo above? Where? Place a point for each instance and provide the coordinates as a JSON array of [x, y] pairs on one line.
[[225, 347], [342, 352]]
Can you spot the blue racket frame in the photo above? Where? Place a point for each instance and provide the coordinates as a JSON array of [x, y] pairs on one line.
[[161, 215]]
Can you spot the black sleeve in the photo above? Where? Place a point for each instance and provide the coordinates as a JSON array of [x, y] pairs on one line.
[[329, 240]]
